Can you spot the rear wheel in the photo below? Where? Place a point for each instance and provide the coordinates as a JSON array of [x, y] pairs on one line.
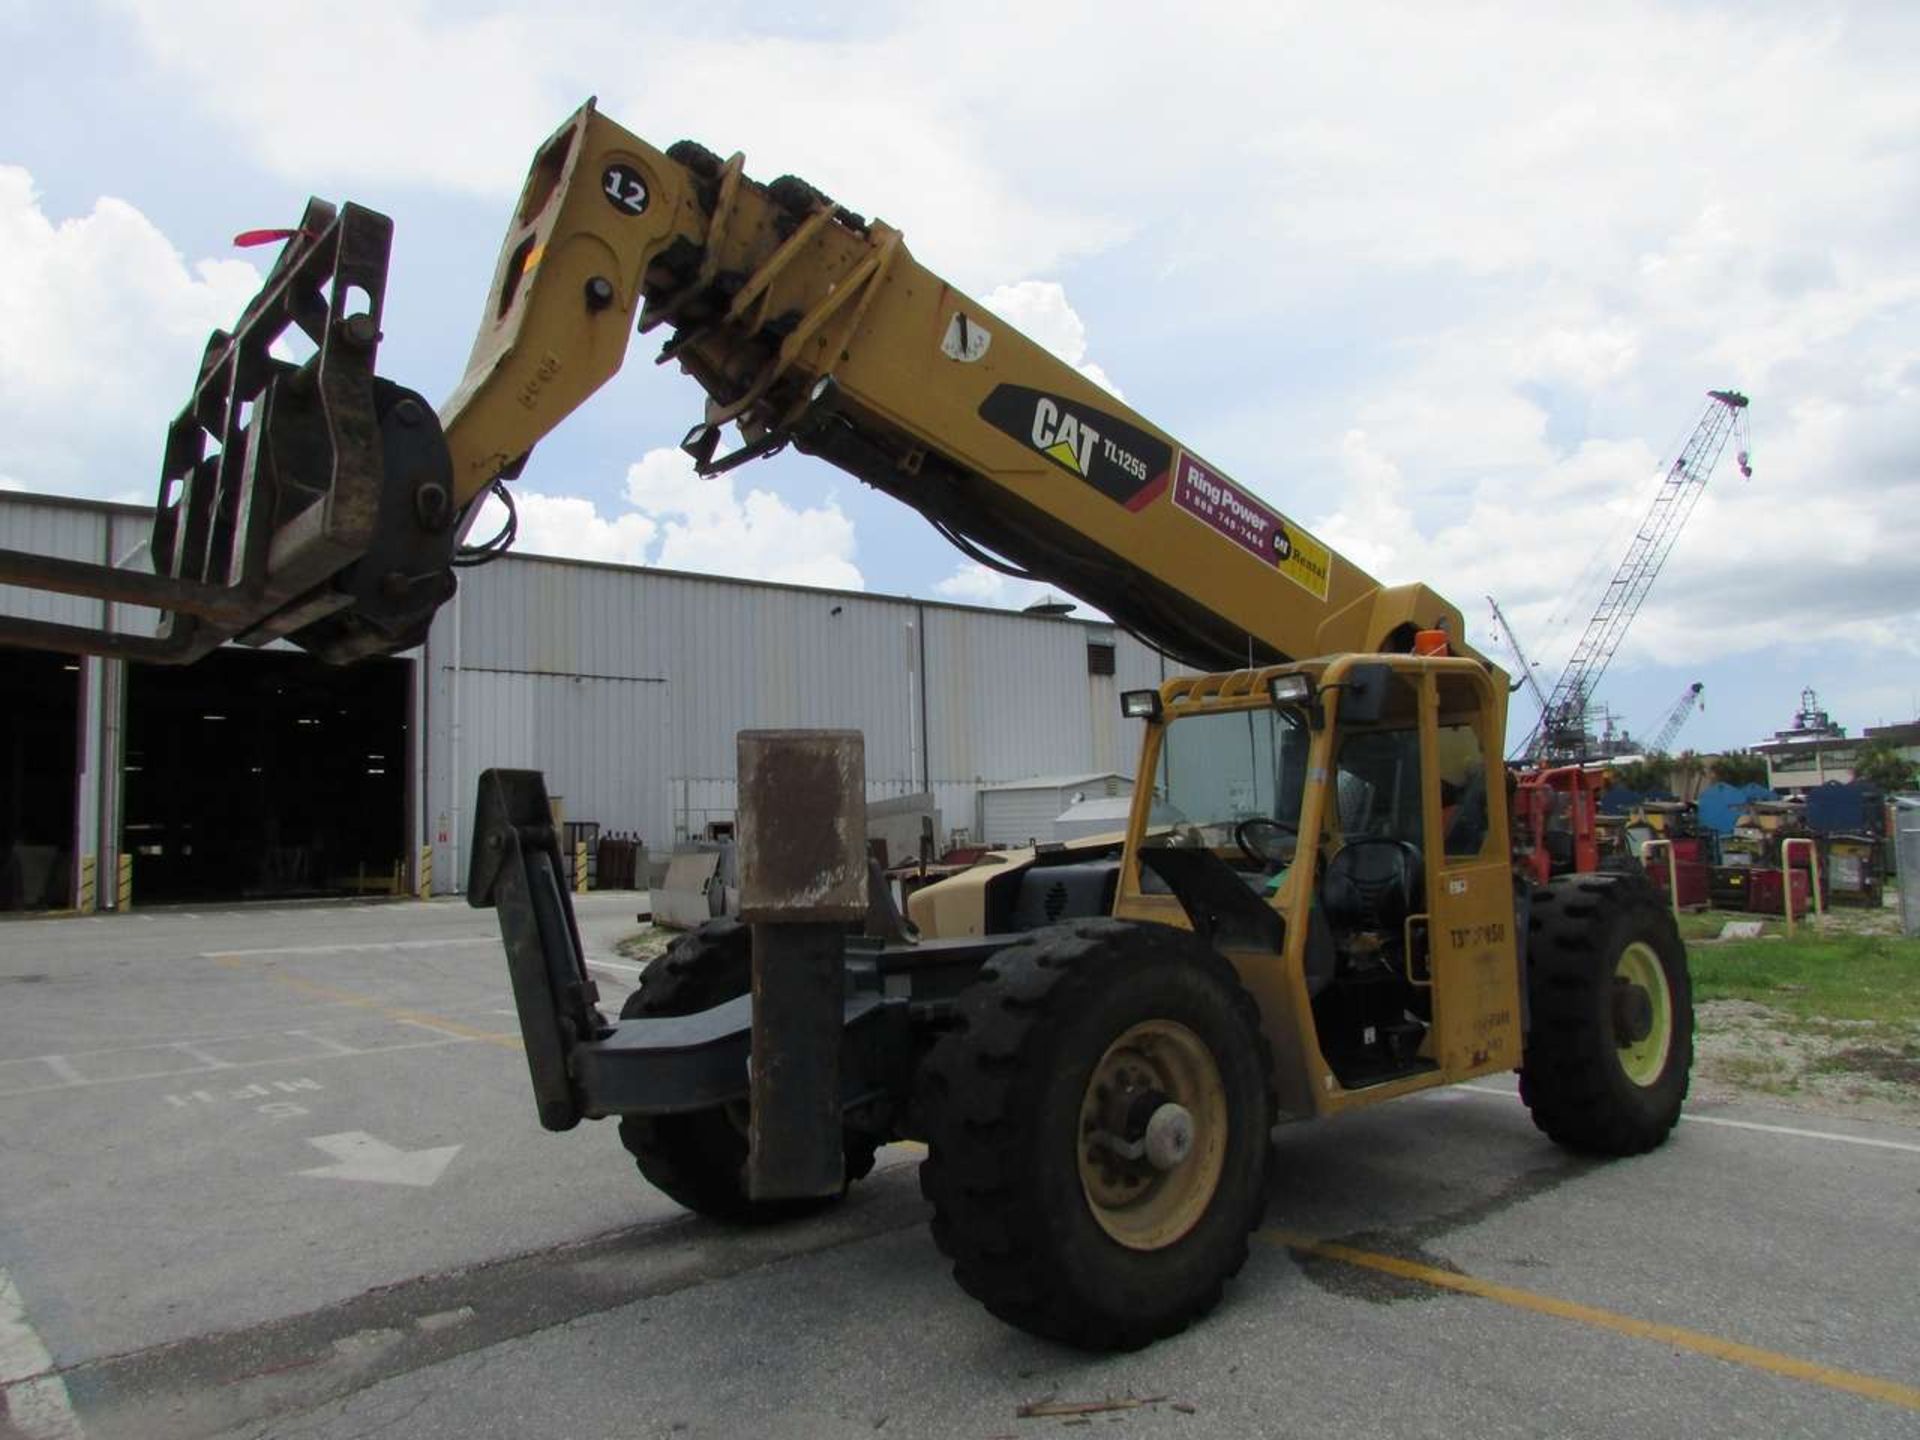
[[1610, 1044], [699, 1159], [1098, 1133]]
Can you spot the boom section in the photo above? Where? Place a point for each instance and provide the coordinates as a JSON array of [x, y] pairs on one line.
[[809, 325]]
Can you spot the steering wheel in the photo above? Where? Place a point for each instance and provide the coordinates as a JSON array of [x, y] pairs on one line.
[[1258, 839], [1373, 888]]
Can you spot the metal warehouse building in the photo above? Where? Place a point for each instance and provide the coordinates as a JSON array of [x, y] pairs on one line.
[[264, 773]]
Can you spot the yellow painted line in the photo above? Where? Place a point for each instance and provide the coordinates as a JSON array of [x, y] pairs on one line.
[[1771, 1361], [390, 1012]]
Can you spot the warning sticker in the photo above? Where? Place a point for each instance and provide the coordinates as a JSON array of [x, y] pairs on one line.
[[1213, 498]]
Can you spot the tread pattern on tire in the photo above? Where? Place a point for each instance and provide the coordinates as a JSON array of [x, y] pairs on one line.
[[695, 1159], [979, 1092], [1571, 1078]]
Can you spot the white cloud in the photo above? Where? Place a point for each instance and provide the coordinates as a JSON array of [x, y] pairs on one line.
[[1585, 355], [879, 119], [705, 526], [102, 323], [1039, 309], [378, 91], [569, 526], [972, 583], [1372, 524], [679, 521]]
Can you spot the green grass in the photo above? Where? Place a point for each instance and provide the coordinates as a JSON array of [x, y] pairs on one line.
[[1827, 977]]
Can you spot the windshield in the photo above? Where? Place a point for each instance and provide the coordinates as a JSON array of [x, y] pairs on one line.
[[1218, 771]]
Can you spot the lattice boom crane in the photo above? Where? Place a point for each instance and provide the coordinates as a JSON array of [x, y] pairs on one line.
[[1561, 733], [1684, 707], [1527, 675]]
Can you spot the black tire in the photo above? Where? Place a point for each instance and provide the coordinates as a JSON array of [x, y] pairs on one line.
[[1577, 1075], [699, 1160], [1002, 1097]]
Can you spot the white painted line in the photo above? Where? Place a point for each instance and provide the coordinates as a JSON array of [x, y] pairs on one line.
[[37, 1403], [194, 1052], [433, 1029], [379, 949], [64, 1068], [1871, 1142], [325, 1042], [1867, 1140], [442, 1039]]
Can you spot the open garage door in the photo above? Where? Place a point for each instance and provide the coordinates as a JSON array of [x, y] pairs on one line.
[[265, 775], [39, 732]]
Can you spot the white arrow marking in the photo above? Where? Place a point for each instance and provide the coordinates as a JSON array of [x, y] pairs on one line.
[[358, 1156]]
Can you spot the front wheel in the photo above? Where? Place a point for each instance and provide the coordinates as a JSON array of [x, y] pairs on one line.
[[699, 1159], [1610, 1044], [1098, 1132]]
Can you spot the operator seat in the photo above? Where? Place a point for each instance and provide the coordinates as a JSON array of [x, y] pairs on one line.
[[1372, 884]]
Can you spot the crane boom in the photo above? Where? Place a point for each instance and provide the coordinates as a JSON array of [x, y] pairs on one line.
[[806, 325], [1527, 673], [1677, 716], [1561, 731]]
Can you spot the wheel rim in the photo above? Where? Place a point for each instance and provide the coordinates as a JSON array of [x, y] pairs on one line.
[[1645, 1059], [1154, 1065]]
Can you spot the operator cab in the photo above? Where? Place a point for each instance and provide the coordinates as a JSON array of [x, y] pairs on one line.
[[1240, 783]]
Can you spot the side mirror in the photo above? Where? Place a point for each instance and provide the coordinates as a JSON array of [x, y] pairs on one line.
[[1363, 694]]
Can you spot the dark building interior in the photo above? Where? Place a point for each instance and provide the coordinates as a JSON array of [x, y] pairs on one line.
[[39, 737], [255, 775]]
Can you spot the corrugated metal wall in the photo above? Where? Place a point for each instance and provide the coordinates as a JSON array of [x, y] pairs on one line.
[[1008, 696], [74, 530], [68, 532], [628, 687]]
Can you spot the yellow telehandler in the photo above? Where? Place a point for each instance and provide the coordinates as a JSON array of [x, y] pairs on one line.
[[1315, 906]]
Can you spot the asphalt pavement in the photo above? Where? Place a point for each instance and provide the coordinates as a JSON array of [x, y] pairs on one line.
[[276, 1172]]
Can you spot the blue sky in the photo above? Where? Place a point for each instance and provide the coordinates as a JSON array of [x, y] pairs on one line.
[[1446, 282]]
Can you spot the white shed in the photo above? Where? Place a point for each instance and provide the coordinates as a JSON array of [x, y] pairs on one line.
[[1107, 817], [1019, 811]]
